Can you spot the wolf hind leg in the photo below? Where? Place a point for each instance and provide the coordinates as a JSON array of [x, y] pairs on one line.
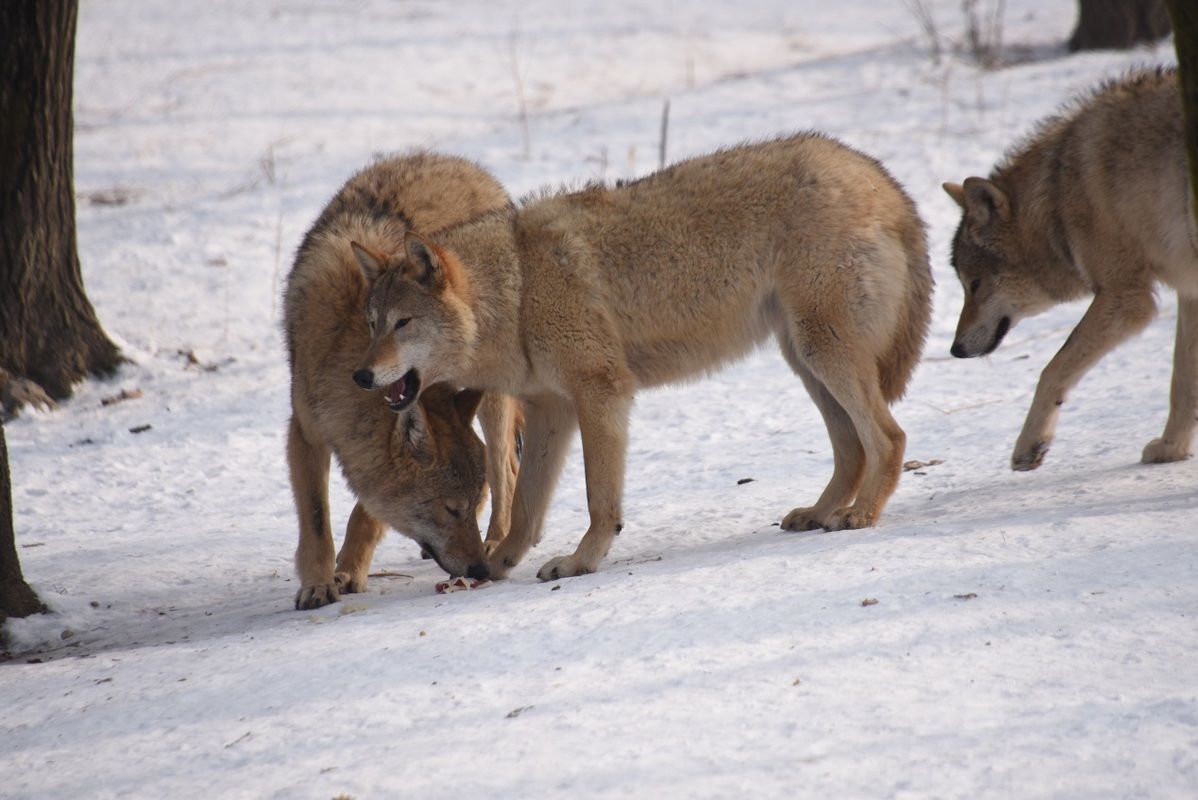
[[850, 380], [848, 455], [1174, 443]]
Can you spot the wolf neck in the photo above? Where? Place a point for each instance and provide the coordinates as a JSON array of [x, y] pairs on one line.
[[487, 252], [1037, 198]]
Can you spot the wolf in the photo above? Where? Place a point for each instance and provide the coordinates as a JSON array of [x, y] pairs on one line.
[[419, 469], [1095, 202], [575, 300]]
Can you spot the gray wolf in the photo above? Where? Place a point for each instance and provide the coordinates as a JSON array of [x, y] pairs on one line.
[[575, 300], [1096, 202], [416, 467]]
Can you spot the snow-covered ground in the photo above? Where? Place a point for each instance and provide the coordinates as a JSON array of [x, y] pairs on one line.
[[1034, 635]]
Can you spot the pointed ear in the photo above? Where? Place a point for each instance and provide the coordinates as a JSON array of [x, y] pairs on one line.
[[985, 202], [416, 430], [956, 192], [370, 260], [466, 403], [424, 261]]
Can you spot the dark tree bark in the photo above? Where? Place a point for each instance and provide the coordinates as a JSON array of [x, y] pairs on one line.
[[1118, 24], [49, 335], [1185, 39], [16, 598]]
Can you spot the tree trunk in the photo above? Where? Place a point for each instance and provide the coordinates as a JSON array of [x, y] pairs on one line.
[[16, 598], [49, 334], [1185, 39], [1118, 24]]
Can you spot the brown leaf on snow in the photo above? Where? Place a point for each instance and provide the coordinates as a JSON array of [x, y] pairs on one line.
[[908, 466], [125, 394]]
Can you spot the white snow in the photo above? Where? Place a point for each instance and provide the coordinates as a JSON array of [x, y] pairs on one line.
[[1034, 635]]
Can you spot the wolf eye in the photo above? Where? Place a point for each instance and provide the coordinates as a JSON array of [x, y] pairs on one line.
[[453, 512], [974, 284], [399, 323]]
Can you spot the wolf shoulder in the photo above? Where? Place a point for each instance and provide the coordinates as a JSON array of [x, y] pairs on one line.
[[1126, 147]]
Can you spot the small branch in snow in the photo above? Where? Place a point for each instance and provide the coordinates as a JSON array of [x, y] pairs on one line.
[[243, 737], [521, 105], [665, 131]]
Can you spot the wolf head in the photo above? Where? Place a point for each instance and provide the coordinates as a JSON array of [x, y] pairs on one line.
[[421, 323], [995, 267], [443, 485]]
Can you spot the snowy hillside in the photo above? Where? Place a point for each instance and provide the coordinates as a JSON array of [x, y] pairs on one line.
[[1034, 634]]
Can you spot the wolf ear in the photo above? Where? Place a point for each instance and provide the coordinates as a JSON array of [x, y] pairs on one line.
[[371, 261], [424, 261], [956, 192], [416, 430], [985, 202], [466, 403]]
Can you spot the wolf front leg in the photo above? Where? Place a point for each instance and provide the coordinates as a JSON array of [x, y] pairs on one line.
[[603, 423], [1112, 317], [308, 460], [548, 428], [1174, 443], [501, 422], [362, 535]]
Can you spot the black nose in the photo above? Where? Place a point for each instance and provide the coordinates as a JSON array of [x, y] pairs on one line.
[[478, 572], [364, 378], [957, 350]]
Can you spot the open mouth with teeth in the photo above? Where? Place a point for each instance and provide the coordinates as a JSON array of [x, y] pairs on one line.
[[401, 393]]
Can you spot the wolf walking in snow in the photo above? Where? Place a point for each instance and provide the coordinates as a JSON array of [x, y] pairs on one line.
[[575, 300], [419, 469], [1096, 202]]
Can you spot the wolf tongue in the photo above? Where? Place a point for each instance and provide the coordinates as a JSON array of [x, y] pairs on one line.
[[395, 392]]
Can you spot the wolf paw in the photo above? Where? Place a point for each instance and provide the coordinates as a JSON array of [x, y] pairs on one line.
[[499, 562], [802, 519], [563, 567], [316, 596], [348, 583], [1026, 459], [1163, 451], [848, 519]]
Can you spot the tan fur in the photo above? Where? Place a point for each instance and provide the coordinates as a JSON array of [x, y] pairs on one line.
[[580, 299], [414, 470], [1096, 202]]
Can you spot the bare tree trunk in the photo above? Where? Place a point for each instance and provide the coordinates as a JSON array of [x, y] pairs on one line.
[[1118, 24], [49, 335], [1185, 39], [16, 598]]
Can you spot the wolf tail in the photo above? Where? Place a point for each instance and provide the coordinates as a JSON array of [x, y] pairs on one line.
[[896, 366]]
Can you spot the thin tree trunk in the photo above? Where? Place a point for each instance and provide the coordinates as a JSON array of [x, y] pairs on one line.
[[1118, 24], [1185, 39], [49, 333], [16, 598]]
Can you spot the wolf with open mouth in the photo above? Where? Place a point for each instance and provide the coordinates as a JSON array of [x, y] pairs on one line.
[[415, 466]]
